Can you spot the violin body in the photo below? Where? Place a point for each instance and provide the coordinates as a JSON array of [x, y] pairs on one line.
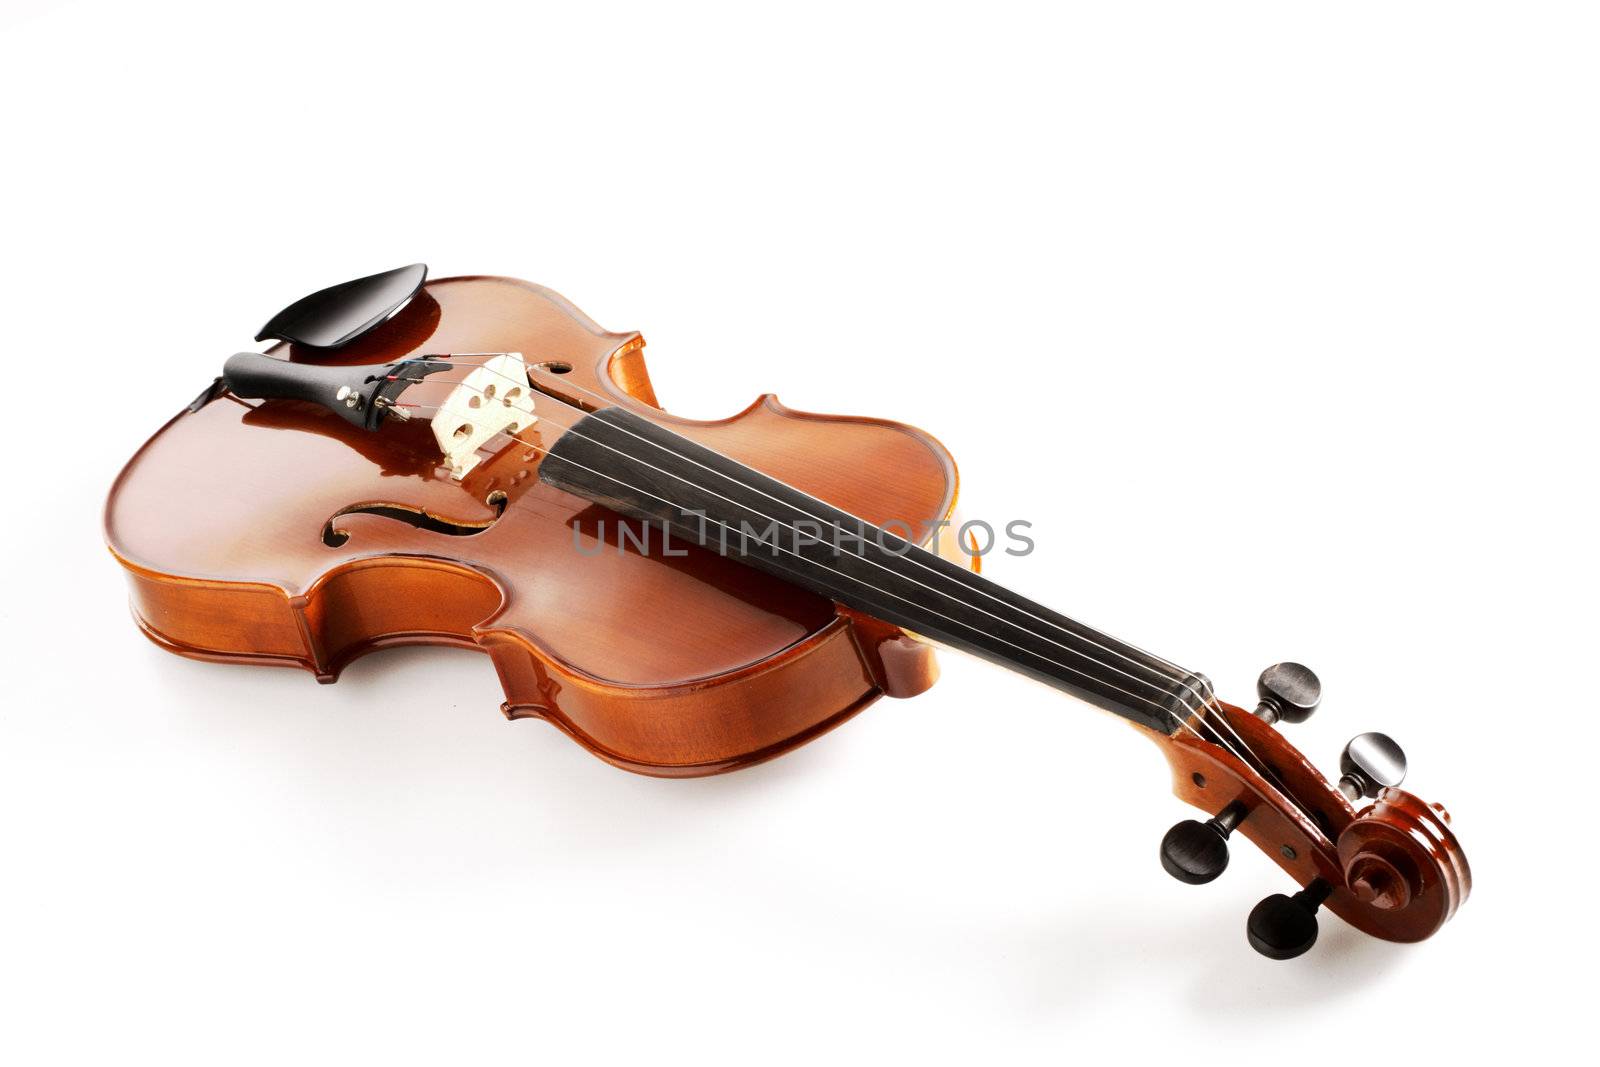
[[676, 662]]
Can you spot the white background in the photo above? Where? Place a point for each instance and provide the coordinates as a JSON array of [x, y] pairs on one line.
[[1278, 323]]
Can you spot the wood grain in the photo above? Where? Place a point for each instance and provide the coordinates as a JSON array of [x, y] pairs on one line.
[[675, 666]]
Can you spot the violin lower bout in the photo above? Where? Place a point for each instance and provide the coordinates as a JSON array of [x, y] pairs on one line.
[[706, 726]]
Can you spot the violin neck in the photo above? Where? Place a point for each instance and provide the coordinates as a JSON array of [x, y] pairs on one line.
[[647, 472]]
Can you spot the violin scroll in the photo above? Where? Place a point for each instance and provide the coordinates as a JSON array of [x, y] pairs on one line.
[[1401, 857]]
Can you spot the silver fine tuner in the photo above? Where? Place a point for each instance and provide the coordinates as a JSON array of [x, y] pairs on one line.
[[1370, 764], [1289, 692]]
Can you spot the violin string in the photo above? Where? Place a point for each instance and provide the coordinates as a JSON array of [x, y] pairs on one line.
[[1207, 695], [1207, 699], [1180, 676], [1181, 672], [1161, 707], [874, 563], [1211, 702]]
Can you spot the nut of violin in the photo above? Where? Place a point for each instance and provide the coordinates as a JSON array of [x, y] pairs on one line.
[[494, 398]]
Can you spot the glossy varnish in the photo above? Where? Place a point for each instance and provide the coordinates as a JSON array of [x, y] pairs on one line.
[[262, 532], [276, 532]]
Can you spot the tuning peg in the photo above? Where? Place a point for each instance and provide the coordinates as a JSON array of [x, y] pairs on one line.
[[1289, 692], [1369, 764], [1282, 927], [1196, 852]]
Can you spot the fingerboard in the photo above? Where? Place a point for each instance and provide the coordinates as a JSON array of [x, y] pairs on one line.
[[639, 469]]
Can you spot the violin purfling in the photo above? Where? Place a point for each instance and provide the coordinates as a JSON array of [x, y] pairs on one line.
[[473, 462]]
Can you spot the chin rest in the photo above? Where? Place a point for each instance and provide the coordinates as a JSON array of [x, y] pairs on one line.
[[339, 314]]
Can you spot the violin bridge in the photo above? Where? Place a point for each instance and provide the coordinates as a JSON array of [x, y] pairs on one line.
[[494, 398]]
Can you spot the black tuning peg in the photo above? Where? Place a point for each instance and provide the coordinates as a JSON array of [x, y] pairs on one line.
[[1370, 763], [1196, 852], [1289, 692], [1282, 927]]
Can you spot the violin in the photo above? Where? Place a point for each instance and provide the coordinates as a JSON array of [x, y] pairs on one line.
[[493, 471]]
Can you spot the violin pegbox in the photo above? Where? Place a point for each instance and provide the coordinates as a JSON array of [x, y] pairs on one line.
[[494, 398], [1393, 869]]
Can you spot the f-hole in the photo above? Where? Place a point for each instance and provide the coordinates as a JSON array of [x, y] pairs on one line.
[[334, 537]]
